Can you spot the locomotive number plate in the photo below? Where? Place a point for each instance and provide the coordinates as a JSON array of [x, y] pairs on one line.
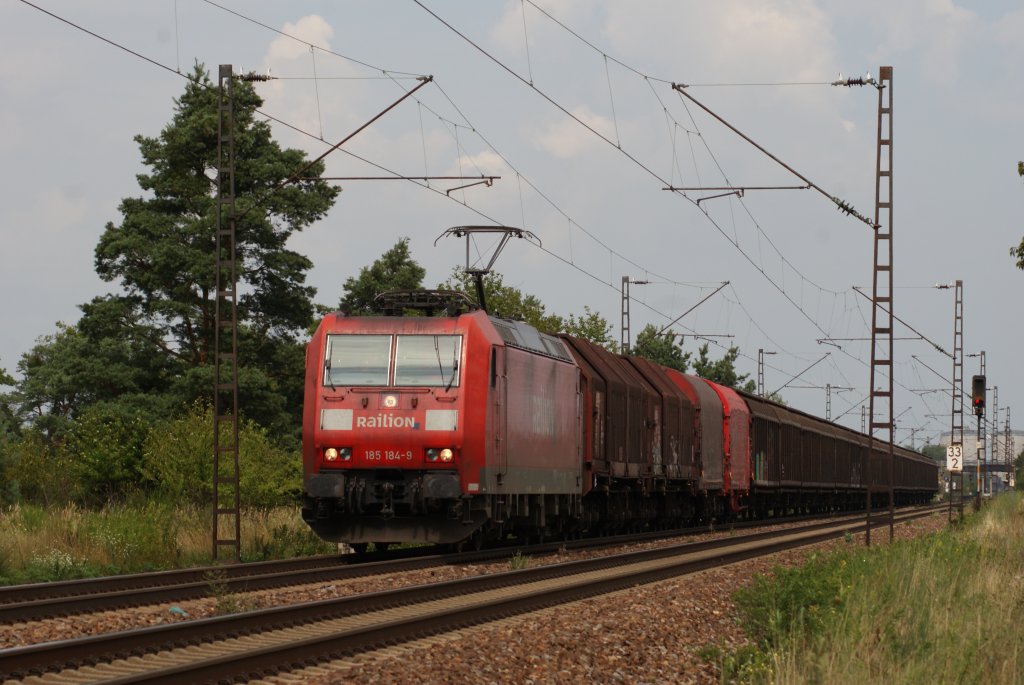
[[388, 456]]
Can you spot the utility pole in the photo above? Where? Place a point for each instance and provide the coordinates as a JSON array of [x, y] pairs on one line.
[[990, 463], [760, 370], [624, 326], [956, 433], [226, 478], [882, 313], [1008, 451], [828, 398]]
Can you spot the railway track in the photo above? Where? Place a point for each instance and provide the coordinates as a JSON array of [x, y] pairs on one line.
[[20, 603], [267, 641]]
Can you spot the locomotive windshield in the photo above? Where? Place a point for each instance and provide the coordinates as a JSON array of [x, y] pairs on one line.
[[367, 360], [427, 360], [357, 360]]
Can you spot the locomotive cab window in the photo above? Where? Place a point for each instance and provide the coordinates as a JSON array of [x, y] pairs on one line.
[[427, 360], [357, 360]]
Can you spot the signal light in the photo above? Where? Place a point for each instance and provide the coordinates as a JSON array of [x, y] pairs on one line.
[[978, 395]]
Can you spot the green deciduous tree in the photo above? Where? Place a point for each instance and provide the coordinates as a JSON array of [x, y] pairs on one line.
[[662, 349], [722, 371], [593, 327], [936, 453], [395, 270], [10, 430], [506, 301]]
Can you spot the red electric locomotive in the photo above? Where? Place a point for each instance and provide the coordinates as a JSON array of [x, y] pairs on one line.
[[413, 425]]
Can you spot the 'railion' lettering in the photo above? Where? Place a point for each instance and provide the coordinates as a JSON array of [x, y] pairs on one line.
[[385, 421]]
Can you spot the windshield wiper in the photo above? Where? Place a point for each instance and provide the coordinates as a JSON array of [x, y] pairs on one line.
[[455, 369], [327, 368]]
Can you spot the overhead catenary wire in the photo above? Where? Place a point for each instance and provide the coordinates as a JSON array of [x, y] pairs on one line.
[[306, 42], [177, 72], [297, 129], [623, 151], [648, 78], [269, 117], [843, 206], [635, 160]]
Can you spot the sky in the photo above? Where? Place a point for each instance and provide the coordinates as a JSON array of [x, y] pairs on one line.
[[571, 103]]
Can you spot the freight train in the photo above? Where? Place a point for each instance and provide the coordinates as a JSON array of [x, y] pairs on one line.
[[466, 427]]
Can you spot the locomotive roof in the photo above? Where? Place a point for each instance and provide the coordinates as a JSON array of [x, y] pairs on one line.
[[524, 336]]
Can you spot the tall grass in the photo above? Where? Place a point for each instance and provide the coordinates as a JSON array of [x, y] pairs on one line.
[[40, 543], [945, 608]]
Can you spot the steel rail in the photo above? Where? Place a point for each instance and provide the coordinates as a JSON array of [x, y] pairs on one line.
[[21, 603], [52, 656]]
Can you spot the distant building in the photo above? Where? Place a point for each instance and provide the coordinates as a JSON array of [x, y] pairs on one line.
[[971, 445]]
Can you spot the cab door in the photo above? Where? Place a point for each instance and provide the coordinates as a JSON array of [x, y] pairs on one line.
[[499, 404]]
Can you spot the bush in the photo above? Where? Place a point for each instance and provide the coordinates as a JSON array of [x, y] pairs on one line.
[[43, 474], [797, 601], [105, 448], [177, 461]]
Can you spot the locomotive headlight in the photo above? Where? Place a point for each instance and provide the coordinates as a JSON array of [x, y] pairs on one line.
[[446, 454], [333, 454], [390, 401]]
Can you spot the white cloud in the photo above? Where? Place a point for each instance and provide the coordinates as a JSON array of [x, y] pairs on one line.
[[725, 40], [935, 32], [510, 34], [566, 138], [312, 29], [487, 163], [1009, 28]]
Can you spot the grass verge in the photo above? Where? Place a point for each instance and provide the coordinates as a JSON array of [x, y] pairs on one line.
[[944, 608], [45, 544]]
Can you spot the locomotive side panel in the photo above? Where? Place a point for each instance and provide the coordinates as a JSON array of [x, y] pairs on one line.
[[543, 451]]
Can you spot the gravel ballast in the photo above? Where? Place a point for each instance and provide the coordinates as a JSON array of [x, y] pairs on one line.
[[647, 634]]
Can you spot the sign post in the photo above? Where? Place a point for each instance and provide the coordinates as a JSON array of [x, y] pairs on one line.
[[954, 464]]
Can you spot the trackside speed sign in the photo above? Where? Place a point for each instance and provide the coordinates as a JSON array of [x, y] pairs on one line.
[[955, 458]]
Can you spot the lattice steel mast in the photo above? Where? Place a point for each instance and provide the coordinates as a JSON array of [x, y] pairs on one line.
[[881, 399], [956, 433], [226, 518]]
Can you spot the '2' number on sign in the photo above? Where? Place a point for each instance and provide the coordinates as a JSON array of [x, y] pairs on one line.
[[954, 458]]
